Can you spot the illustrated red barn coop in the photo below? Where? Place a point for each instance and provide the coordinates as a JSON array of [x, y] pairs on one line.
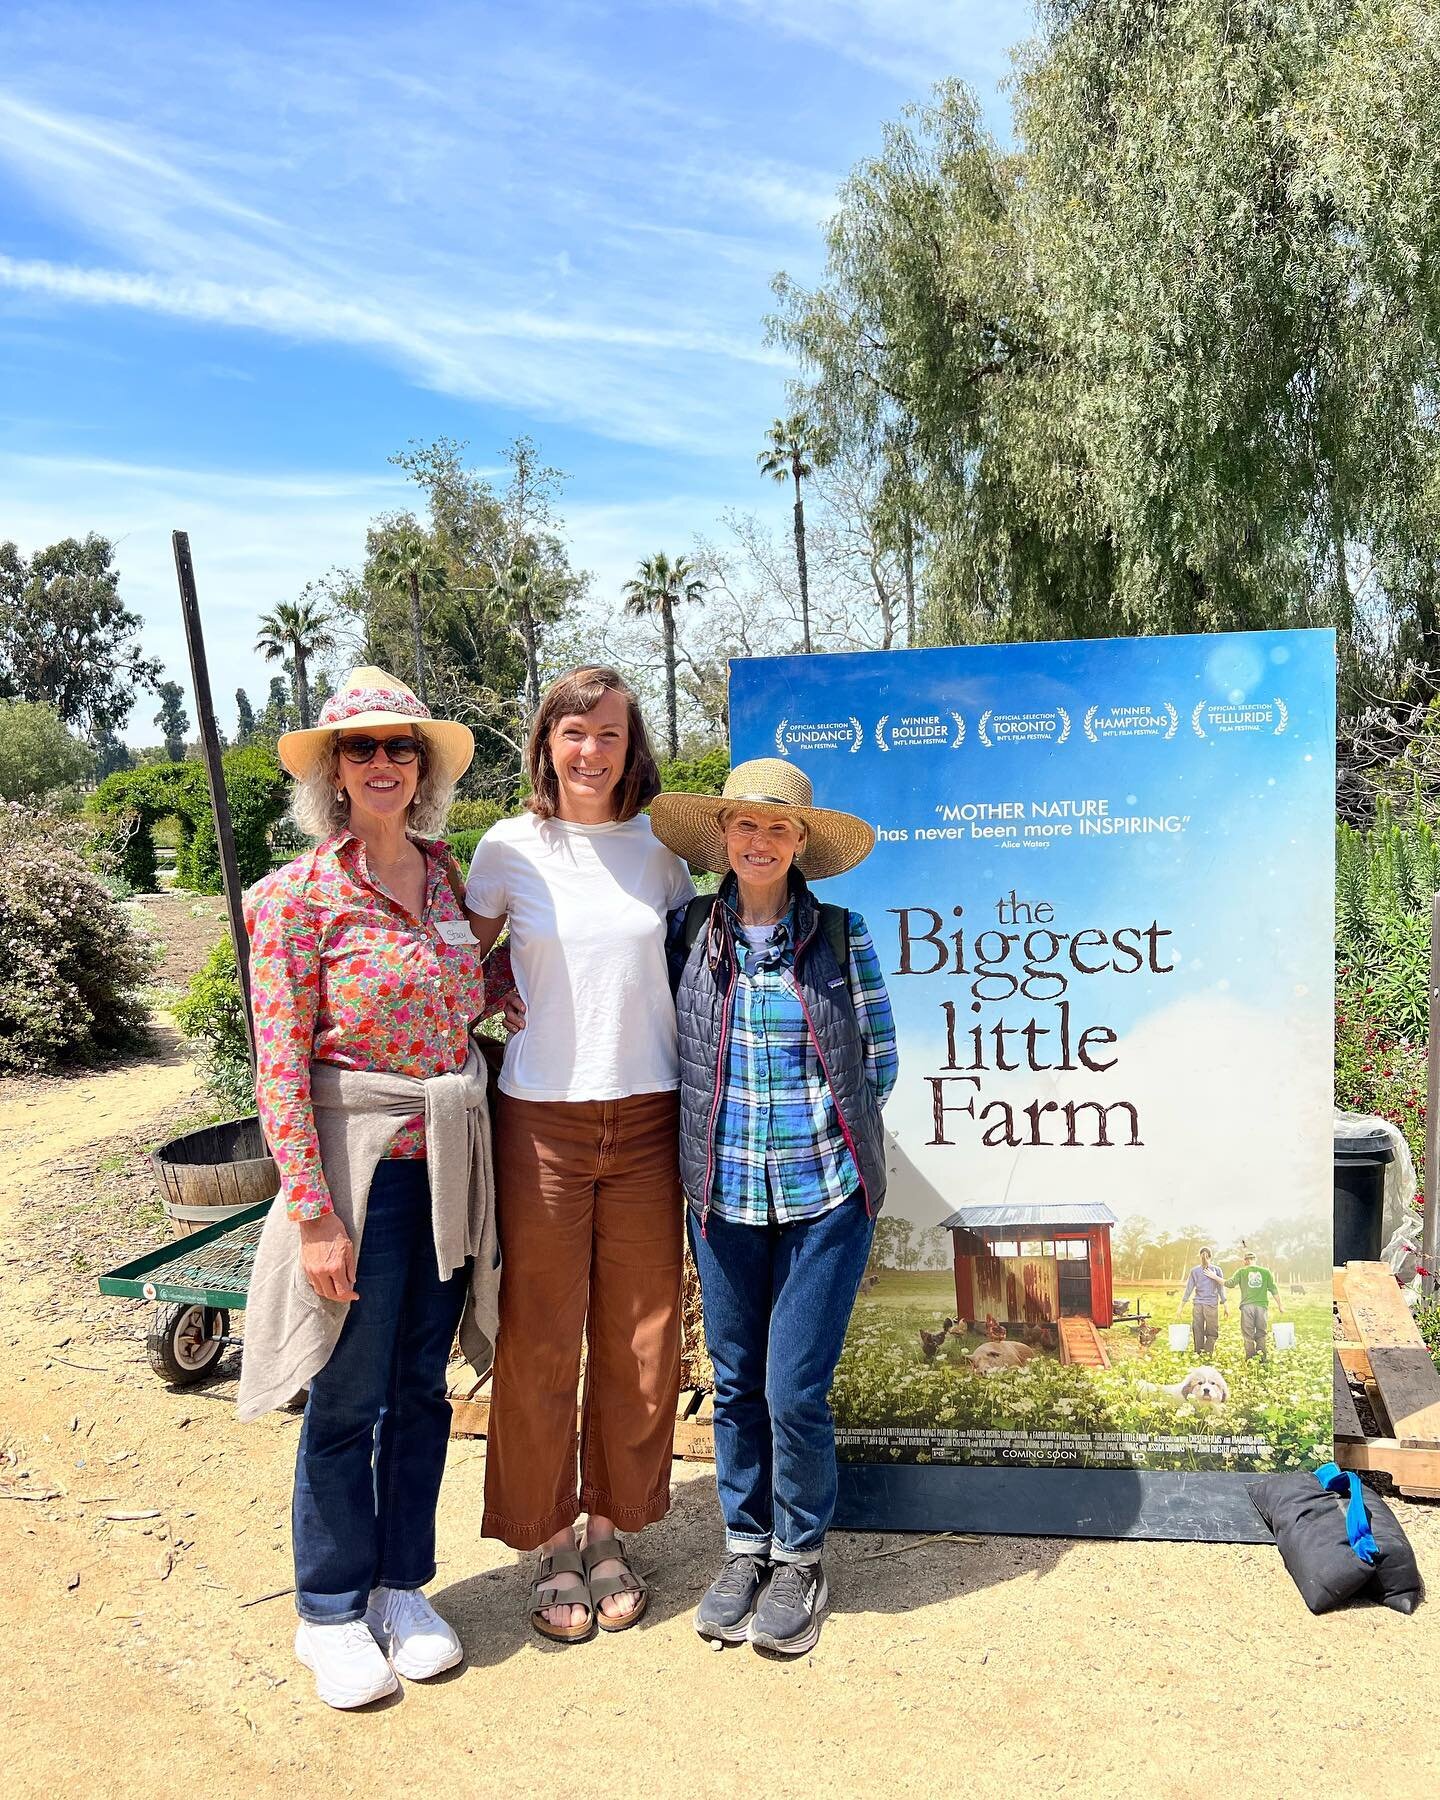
[[1033, 1265]]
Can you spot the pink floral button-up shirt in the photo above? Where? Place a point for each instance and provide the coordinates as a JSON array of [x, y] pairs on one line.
[[342, 973]]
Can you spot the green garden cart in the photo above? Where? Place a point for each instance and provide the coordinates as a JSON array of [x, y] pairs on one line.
[[197, 1282]]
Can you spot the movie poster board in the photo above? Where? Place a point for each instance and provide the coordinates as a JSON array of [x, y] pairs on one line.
[[1103, 901]]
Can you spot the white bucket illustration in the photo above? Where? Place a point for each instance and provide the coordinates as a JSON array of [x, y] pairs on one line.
[[1179, 1337], [1284, 1335]]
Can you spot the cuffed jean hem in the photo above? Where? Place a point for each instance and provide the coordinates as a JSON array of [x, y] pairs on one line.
[[346, 1615], [530, 1536], [739, 1543], [406, 1587], [779, 1554], [628, 1518]]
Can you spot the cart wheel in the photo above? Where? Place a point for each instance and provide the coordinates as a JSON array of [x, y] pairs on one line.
[[184, 1342]]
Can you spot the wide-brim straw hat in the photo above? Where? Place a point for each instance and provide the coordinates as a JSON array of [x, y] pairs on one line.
[[689, 824], [368, 697]]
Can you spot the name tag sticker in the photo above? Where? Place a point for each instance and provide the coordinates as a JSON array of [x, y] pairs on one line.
[[456, 933]]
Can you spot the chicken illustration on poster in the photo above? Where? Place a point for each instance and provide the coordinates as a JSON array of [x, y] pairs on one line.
[[1102, 895]]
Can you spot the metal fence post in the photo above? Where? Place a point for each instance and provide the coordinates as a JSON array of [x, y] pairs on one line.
[[215, 774]]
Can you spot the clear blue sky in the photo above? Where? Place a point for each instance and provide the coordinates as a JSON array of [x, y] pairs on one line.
[[246, 251]]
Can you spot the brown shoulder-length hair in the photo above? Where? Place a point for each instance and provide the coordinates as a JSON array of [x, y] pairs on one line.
[[579, 692]]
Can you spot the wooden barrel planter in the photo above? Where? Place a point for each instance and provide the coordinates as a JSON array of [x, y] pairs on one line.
[[209, 1175]]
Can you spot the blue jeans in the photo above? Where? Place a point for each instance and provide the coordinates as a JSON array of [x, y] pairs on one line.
[[777, 1301], [377, 1423]]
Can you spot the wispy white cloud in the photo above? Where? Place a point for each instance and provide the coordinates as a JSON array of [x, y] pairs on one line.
[[594, 328], [915, 42]]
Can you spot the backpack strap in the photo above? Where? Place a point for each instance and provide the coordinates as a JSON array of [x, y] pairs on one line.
[[680, 942], [835, 927], [697, 917]]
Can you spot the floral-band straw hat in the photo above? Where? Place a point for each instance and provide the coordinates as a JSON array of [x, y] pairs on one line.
[[369, 697], [689, 824]]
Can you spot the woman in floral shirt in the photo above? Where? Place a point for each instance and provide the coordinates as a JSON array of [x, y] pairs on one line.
[[361, 959]]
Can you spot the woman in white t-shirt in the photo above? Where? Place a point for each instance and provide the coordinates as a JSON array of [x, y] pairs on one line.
[[589, 1205]]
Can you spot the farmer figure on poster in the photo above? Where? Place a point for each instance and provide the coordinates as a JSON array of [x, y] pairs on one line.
[[1206, 1284], [1256, 1285]]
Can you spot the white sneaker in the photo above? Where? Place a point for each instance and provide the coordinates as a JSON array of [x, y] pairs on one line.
[[348, 1665], [412, 1634]]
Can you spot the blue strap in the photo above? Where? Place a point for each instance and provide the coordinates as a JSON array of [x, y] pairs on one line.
[[1357, 1521]]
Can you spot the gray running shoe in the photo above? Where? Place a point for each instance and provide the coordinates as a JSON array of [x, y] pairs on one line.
[[787, 1620], [723, 1615]]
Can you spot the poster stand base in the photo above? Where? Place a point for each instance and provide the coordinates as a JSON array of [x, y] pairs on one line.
[[1183, 1506]]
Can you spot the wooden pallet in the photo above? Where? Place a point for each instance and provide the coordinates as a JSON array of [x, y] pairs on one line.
[[1381, 1351], [694, 1420]]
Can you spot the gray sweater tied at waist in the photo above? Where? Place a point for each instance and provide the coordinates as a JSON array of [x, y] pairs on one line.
[[290, 1331]]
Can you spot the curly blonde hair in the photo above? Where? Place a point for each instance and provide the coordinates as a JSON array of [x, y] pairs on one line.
[[316, 810]]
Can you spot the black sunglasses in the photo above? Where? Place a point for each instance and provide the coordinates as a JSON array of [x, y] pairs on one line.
[[397, 749]]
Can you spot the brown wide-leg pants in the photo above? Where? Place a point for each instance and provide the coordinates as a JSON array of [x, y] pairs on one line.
[[590, 1219]]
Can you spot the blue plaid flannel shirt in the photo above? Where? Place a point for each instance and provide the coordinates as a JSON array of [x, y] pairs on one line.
[[779, 1151]]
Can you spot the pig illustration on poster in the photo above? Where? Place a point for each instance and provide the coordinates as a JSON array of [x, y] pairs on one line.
[[1103, 901]]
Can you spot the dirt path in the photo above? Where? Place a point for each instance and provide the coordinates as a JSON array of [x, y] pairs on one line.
[[43, 1122], [145, 1653]]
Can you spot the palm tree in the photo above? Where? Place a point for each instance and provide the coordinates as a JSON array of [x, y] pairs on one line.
[[788, 457], [659, 587], [406, 561], [297, 629], [523, 588]]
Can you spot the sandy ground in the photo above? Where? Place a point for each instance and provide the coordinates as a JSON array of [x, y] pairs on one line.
[[152, 1652]]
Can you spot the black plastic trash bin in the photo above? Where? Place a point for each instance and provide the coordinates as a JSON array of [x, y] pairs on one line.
[[1360, 1162]]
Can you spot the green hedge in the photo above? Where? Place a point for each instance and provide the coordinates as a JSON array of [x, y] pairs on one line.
[[462, 845], [131, 802]]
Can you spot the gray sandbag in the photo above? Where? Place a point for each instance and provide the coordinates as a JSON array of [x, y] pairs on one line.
[[1338, 1542]]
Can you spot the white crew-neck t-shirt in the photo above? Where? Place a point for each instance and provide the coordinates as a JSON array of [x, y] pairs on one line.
[[587, 907]]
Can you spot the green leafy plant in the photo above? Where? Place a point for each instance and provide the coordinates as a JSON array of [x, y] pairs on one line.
[[462, 845], [211, 1015], [72, 965], [473, 815], [38, 755], [1384, 882], [133, 801], [702, 774]]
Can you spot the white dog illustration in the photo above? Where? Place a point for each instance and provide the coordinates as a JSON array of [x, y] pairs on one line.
[[1205, 1384]]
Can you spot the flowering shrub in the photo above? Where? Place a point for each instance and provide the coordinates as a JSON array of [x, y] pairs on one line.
[[1427, 1317], [1377, 1071], [71, 962]]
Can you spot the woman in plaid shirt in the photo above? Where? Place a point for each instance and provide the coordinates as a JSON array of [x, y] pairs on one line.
[[787, 1055]]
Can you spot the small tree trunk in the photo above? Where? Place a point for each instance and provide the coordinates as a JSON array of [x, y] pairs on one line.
[[415, 632], [667, 614], [908, 556], [302, 689], [532, 661], [804, 571]]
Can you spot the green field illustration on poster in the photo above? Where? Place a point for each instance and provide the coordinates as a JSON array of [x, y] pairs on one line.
[[1102, 898]]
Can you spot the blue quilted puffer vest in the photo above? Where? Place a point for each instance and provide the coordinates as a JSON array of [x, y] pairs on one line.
[[704, 998]]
